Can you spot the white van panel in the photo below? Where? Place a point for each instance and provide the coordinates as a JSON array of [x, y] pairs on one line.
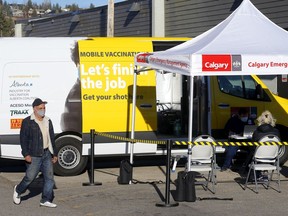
[[28, 67], [119, 148], [23, 82], [11, 151]]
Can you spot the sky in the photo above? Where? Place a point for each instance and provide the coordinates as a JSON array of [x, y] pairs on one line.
[[62, 3]]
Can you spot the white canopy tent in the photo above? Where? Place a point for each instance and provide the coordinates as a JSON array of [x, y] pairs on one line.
[[246, 42]]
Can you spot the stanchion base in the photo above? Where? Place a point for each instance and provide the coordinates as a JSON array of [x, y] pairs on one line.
[[91, 184], [167, 204]]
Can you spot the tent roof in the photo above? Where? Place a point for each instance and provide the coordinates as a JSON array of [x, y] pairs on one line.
[[246, 33]]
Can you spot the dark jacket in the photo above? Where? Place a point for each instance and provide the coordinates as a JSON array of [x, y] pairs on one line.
[[31, 139], [234, 125], [264, 130]]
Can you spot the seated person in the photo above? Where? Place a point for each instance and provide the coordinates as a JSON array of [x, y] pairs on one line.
[[266, 126], [235, 126]]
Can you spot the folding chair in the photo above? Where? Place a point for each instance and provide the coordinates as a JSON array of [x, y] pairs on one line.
[[266, 158], [203, 160]]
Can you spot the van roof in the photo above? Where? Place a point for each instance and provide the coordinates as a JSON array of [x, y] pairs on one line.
[[52, 48], [21, 49]]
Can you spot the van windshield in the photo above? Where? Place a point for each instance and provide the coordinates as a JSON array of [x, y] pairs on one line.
[[239, 86]]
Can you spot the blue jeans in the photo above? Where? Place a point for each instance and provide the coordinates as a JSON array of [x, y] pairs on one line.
[[230, 154], [43, 164]]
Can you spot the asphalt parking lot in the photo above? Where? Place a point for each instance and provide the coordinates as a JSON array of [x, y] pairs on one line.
[[140, 197]]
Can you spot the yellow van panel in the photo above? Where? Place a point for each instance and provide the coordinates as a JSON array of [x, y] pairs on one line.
[[106, 73], [223, 105], [107, 69]]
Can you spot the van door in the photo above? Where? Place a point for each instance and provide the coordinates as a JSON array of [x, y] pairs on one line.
[[228, 94]]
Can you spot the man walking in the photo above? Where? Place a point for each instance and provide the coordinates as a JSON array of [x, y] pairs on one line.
[[38, 149]]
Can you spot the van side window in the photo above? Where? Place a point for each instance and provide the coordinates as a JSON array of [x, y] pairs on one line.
[[250, 87], [239, 86]]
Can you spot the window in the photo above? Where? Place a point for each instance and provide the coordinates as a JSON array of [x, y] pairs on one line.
[[239, 86]]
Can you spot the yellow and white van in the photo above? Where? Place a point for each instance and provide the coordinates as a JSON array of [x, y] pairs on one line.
[[94, 94], [94, 91]]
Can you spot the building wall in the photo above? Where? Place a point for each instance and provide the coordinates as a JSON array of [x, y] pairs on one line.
[[189, 18], [93, 22], [183, 18]]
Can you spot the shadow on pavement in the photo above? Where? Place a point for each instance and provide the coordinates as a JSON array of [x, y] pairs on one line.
[[35, 188], [284, 171], [9, 165]]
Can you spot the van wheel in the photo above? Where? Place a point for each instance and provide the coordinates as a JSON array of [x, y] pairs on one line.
[[70, 160], [283, 154]]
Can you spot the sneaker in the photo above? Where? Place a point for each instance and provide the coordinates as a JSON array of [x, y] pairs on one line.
[[223, 169], [16, 196], [263, 179], [48, 204]]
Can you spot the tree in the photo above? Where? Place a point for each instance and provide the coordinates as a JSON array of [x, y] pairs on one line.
[[28, 7], [46, 4], [29, 4], [56, 8], [6, 22], [5, 9], [34, 13], [6, 25], [73, 7]]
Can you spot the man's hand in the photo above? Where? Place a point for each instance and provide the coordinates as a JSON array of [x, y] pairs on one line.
[[28, 159], [54, 159]]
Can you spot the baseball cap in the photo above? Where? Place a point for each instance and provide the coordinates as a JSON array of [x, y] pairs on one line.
[[37, 102]]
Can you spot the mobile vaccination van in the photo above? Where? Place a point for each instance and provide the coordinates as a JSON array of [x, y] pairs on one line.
[[88, 84], [95, 94]]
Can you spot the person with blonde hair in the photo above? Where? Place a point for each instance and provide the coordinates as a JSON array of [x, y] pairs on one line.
[[266, 125]]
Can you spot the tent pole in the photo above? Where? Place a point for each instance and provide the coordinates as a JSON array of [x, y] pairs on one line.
[[190, 127], [133, 113]]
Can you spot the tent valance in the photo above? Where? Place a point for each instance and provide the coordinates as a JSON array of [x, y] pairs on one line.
[[246, 42]]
